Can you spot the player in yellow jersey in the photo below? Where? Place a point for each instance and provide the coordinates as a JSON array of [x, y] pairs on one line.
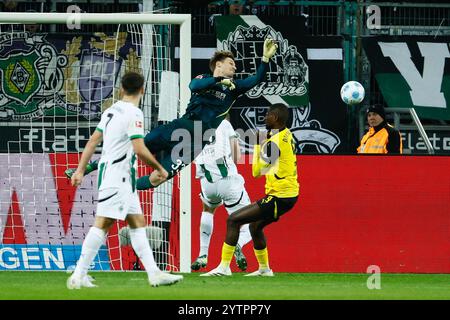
[[273, 156]]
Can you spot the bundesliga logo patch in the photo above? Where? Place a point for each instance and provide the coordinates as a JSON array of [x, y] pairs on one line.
[[138, 124]]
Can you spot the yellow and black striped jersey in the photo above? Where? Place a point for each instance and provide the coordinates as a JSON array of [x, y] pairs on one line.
[[276, 159]]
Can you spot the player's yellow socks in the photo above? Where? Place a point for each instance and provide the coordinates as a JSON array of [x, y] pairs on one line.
[[263, 258], [227, 255]]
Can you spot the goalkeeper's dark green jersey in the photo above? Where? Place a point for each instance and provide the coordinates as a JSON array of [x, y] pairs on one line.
[[209, 104], [211, 100]]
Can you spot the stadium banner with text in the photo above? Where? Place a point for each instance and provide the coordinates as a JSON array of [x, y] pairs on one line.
[[47, 137], [327, 230], [39, 209], [339, 223], [306, 73], [412, 72], [439, 139], [60, 76], [47, 257]]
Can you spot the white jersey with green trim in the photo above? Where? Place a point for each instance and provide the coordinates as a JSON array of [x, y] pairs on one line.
[[120, 124], [215, 161]]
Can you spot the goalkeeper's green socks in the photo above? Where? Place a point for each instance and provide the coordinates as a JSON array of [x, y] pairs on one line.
[[227, 255], [143, 183], [263, 258], [91, 166]]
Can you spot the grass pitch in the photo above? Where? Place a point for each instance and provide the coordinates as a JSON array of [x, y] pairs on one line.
[[284, 286]]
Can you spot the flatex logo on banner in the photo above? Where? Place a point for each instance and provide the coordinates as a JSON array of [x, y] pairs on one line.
[[19, 139]]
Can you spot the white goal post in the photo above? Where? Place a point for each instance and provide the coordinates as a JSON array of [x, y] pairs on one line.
[[184, 20]]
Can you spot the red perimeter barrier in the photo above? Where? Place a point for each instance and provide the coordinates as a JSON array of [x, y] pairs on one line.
[[353, 212]]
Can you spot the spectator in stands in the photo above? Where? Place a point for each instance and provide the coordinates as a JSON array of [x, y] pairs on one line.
[[381, 137], [9, 6], [250, 7], [236, 7], [212, 8], [32, 28]]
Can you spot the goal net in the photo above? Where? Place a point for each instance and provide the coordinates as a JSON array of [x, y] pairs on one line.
[[53, 90]]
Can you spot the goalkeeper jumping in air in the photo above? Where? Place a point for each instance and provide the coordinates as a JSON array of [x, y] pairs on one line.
[[211, 99]]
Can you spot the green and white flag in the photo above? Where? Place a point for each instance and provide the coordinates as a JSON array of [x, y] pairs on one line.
[[287, 79], [413, 72], [305, 74]]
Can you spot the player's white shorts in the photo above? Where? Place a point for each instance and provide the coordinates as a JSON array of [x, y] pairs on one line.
[[116, 198], [229, 190], [117, 203]]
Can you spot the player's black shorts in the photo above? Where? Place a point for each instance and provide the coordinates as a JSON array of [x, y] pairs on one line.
[[175, 149], [273, 207]]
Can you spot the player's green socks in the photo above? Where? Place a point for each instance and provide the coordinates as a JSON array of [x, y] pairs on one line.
[[227, 255], [263, 258]]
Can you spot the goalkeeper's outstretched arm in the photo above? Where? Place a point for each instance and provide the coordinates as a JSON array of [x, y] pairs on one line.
[[270, 47], [199, 83]]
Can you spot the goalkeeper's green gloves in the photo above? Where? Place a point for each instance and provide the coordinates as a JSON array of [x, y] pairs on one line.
[[229, 83], [270, 47]]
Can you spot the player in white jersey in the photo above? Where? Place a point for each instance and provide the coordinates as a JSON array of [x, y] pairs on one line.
[[122, 132], [221, 184]]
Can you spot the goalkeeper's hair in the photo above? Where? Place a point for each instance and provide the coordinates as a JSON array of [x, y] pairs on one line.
[[282, 112], [219, 56], [132, 83]]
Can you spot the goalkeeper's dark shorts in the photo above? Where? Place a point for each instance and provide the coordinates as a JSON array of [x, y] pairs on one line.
[[176, 144], [273, 207]]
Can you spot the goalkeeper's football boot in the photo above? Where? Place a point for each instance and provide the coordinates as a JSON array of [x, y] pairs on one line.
[[241, 261], [91, 166], [261, 273], [78, 282], [164, 279], [199, 263], [218, 272]]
